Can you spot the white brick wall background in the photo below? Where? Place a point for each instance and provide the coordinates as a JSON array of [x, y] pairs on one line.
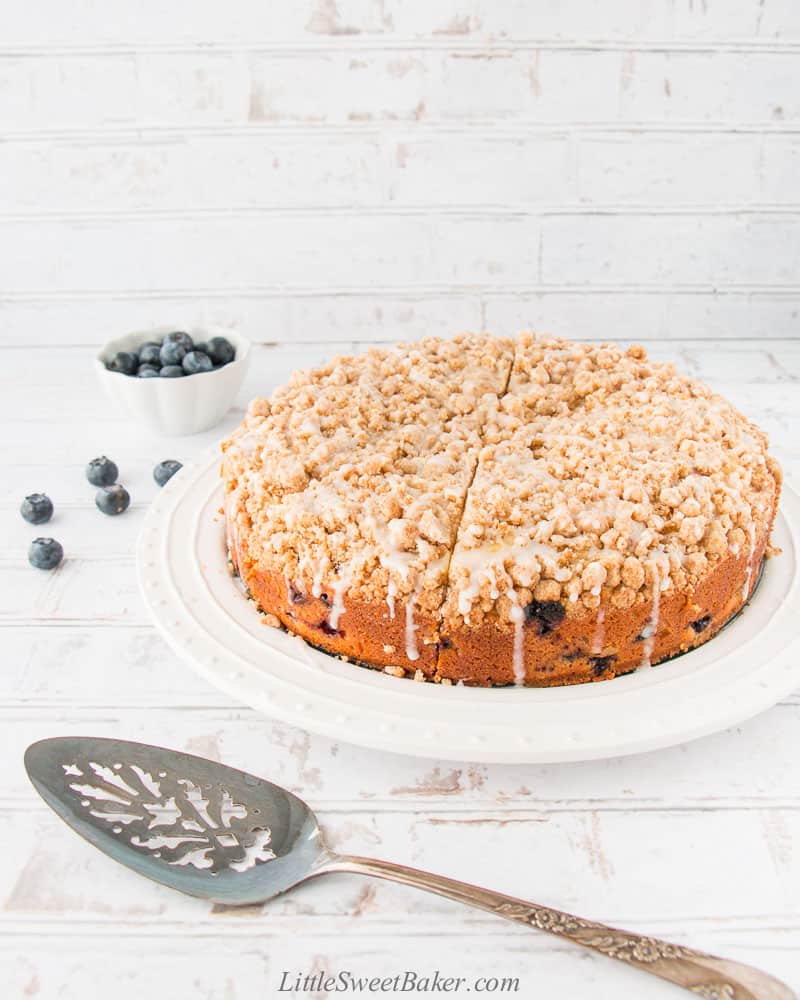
[[381, 169]]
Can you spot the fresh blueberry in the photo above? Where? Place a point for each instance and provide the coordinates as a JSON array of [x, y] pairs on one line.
[[171, 371], [600, 664], [173, 352], [101, 471], [179, 338], [165, 470], [545, 615], [37, 508], [202, 347], [149, 353], [221, 350], [112, 500], [195, 362], [148, 371], [174, 347], [124, 362], [45, 553]]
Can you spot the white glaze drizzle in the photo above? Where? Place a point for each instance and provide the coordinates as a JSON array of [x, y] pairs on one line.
[[517, 616], [649, 631], [486, 563], [316, 586], [338, 598], [599, 636], [391, 592], [412, 652], [750, 560]]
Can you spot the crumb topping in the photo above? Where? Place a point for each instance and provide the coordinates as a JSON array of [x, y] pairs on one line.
[[353, 478], [424, 476], [603, 476]]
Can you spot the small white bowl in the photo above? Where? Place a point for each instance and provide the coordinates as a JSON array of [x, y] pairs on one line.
[[184, 405]]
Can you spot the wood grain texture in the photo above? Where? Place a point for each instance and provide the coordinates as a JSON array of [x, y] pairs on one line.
[[388, 168], [322, 176], [626, 22]]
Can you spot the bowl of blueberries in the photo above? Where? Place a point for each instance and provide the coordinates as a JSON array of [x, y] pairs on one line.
[[174, 381]]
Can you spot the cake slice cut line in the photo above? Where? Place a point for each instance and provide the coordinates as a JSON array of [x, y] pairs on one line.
[[454, 537]]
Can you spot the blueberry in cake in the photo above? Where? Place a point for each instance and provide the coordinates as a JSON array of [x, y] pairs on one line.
[[498, 511]]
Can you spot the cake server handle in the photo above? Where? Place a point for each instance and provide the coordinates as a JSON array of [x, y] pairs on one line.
[[699, 973]]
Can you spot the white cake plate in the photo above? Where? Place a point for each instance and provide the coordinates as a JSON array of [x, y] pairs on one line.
[[202, 612]]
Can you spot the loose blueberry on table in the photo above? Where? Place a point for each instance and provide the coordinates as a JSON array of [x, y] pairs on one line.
[[112, 500], [101, 471], [165, 470], [45, 553], [36, 508], [173, 357]]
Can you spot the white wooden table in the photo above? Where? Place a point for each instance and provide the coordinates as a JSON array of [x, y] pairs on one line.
[[698, 843]]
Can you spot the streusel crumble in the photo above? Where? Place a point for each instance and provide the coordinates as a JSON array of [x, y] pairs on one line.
[[489, 511]]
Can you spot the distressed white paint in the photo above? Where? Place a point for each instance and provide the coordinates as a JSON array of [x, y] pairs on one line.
[[322, 176], [378, 169]]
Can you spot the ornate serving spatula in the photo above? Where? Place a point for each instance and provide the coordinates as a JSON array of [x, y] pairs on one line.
[[224, 835]]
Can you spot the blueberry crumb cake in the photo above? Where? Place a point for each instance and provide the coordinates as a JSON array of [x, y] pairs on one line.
[[495, 511]]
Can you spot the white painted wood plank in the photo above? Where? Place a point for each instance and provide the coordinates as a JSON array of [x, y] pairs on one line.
[[697, 250], [309, 250], [404, 167], [85, 533], [389, 314], [235, 961], [750, 767], [581, 862], [337, 85], [104, 590], [624, 314], [248, 968], [689, 169], [243, 22]]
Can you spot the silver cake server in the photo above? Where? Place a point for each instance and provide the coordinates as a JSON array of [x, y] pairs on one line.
[[224, 835]]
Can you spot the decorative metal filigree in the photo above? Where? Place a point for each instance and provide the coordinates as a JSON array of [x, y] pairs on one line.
[[171, 818], [714, 991], [632, 948], [615, 944]]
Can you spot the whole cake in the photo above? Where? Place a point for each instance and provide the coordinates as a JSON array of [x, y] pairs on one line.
[[494, 511]]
